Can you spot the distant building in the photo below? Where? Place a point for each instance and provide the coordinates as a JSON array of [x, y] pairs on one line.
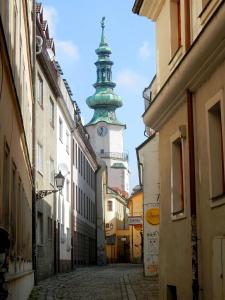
[[148, 165], [135, 221], [188, 112], [17, 60]]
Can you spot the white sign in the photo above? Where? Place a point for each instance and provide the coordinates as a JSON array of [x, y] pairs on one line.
[[135, 220]]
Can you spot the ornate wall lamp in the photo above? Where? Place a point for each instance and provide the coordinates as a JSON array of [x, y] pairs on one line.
[[59, 181]]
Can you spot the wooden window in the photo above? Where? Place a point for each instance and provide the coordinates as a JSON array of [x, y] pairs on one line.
[[40, 158], [13, 207], [215, 116], [109, 205], [40, 90], [177, 175], [52, 172], [175, 26], [60, 129], [73, 152], [40, 238], [52, 113], [6, 180], [67, 142], [49, 228], [68, 190]]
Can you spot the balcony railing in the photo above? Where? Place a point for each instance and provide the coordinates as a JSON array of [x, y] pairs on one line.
[[115, 155]]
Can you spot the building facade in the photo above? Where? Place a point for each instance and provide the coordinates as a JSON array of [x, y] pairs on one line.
[[148, 165], [188, 113], [135, 221], [47, 93], [16, 107]]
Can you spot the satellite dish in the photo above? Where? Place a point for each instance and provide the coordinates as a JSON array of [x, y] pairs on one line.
[[63, 168]]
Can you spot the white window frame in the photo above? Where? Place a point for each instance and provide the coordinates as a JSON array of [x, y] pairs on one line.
[[67, 142], [51, 171], [178, 136], [60, 129], [218, 98], [40, 158], [52, 112], [40, 90]]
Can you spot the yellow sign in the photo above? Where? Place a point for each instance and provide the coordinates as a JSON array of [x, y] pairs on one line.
[[152, 216]]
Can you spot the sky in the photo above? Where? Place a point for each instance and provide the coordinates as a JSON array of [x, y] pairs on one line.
[[75, 27]]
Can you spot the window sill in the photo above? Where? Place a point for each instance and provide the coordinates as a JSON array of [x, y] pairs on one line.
[[217, 201], [208, 10], [178, 216], [175, 58]]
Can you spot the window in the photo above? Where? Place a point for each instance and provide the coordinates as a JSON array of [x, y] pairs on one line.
[[107, 225], [76, 155], [60, 130], [175, 26], [79, 159], [171, 292], [102, 151], [51, 112], [177, 174], [76, 200], [67, 142], [215, 126], [79, 202], [68, 190], [110, 205], [49, 228], [40, 228], [13, 205], [52, 172], [73, 154], [40, 158], [40, 90], [82, 204], [6, 168]]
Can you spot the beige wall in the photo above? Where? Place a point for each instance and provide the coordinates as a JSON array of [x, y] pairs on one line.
[[175, 235], [211, 220]]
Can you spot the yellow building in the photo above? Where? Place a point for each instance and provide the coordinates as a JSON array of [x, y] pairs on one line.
[[116, 227], [135, 220], [186, 108], [16, 101]]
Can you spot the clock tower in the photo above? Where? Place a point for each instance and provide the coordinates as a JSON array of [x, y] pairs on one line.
[[104, 129]]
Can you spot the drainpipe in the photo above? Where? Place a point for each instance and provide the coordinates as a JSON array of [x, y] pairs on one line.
[[194, 239], [34, 208]]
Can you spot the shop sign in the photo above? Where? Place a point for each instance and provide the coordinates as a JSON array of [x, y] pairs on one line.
[[135, 221]]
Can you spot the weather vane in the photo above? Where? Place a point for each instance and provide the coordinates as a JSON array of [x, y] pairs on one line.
[[103, 22]]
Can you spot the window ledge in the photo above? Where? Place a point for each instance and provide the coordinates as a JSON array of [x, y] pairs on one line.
[[175, 58], [177, 217], [208, 10], [218, 201]]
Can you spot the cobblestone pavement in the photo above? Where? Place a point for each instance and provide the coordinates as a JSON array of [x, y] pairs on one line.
[[115, 281]]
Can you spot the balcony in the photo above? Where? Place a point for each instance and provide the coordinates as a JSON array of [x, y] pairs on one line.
[[114, 155]]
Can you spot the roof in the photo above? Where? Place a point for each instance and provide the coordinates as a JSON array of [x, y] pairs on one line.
[[137, 6], [118, 166]]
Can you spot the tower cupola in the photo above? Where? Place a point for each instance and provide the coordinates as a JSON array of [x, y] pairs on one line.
[[104, 101]]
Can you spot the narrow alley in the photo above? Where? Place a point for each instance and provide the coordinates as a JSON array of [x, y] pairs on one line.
[[115, 281]]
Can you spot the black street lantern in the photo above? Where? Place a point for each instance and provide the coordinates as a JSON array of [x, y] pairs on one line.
[[59, 182]]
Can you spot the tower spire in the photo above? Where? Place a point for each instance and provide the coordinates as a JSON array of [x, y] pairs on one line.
[[103, 33], [104, 101]]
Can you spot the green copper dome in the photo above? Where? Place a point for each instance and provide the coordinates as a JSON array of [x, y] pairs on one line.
[[104, 101]]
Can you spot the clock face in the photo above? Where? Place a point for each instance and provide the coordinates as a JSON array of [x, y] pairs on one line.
[[102, 130]]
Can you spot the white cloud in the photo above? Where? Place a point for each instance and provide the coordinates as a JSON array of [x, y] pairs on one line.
[[130, 79], [144, 51], [67, 48], [51, 15]]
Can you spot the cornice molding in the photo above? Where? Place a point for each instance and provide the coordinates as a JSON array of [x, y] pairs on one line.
[[205, 54], [151, 8]]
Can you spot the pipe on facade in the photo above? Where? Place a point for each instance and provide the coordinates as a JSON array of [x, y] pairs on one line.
[[191, 71], [34, 206], [194, 237]]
